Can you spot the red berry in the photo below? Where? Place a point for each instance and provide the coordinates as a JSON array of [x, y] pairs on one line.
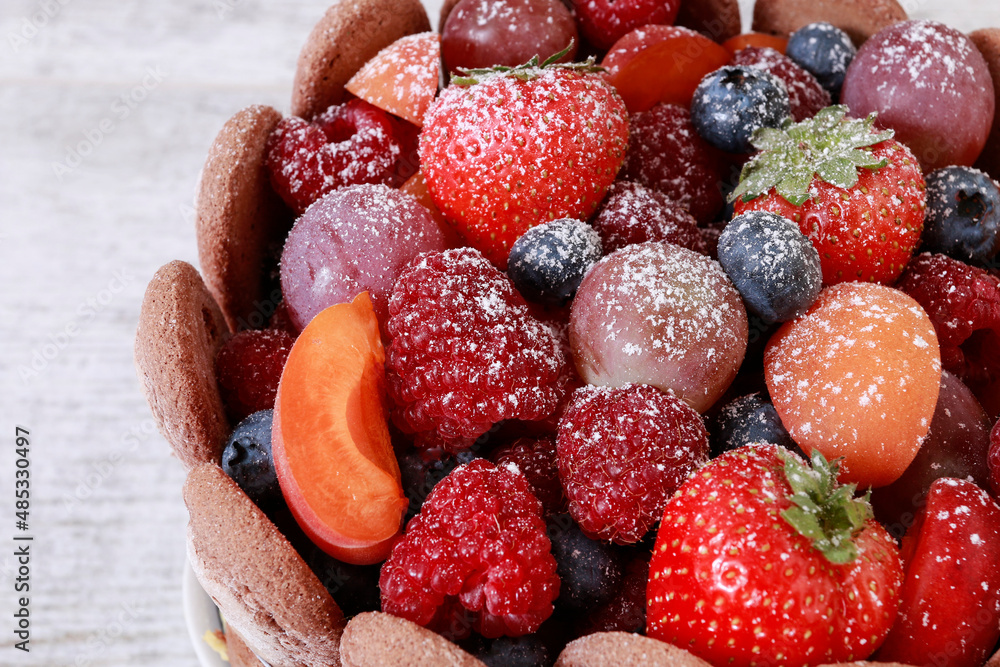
[[536, 459], [633, 213], [477, 551], [345, 145], [465, 353], [622, 452], [994, 459], [604, 22], [963, 302], [805, 94], [281, 320], [248, 368], [666, 154]]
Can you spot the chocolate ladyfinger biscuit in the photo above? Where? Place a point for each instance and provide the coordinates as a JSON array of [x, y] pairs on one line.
[[262, 586], [239, 653], [240, 221], [858, 18], [716, 19], [624, 649], [988, 43], [180, 331], [349, 35], [374, 639]]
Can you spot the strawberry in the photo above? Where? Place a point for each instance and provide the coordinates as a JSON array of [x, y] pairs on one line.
[[760, 559], [858, 195], [505, 149]]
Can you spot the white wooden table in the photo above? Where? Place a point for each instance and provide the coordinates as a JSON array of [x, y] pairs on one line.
[[107, 108]]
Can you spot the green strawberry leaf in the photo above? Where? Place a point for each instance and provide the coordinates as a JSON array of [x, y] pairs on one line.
[[829, 146], [528, 71]]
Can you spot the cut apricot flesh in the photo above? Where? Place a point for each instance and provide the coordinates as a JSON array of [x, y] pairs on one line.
[[402, 78], [330, 438], [657, 63], [759, 39]]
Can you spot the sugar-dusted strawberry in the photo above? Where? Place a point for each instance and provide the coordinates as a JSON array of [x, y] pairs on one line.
[[762, 560], [857, 194], [503, 150]]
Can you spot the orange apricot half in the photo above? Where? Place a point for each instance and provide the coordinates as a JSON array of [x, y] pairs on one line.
[[403, 78], [330, 438]]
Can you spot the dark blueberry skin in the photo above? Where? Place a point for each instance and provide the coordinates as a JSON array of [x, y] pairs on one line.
[[353, 587], [824, 51], [420, 475], [548, 262], [732, 103], [591, 572], [963, 214], [746, 420], [527, 651], [247, 459], [773, 265]]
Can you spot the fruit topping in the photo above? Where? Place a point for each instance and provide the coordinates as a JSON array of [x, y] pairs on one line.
[[805, 96], [949, 608], [823, 50], [505, 150], [634, 214], [858, 195], [659, 314], [403, 78], [590, 572], [760, 559], [548, 262], [622, 452], [483, 33], [755, 39], [355, 239], [604, 22], [775, 268], [857, 377], [626, 612], [536, 459], [347, 144], [248, 368], [957, 445], [748, 420], [929, 83], [666, 154], [994, 460], [963, 302], [963, 214], [661, 64], [353, 587], [732, 103], [330, 437], [247, 459], [465, 352], [421, 470], [476, 556], [524, 651]]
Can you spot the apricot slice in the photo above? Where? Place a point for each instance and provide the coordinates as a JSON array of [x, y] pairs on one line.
[[403, 77], [857, 376], [659, 63], [330, 438], [759, 39]]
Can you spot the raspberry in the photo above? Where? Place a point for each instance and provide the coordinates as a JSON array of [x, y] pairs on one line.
[[347, 144], [248, 368], [476, 556], [805, 95], [963, 302], [633, 213], [465, 353], [627, 611], [622, 452], [536, 459], [281, 320], [993, 461], [666, 154]]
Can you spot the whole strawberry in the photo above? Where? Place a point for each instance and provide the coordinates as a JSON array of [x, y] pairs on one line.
[[761, 560], [857, 194], [503, 150]]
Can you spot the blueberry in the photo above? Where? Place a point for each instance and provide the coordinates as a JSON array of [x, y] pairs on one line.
[[746, 420], [963, 214], [421, 474], [823, 50], [247, 459], [773, 265], [547, 262], [353, 587], [590, 571], [732, 103], [527, 651]]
